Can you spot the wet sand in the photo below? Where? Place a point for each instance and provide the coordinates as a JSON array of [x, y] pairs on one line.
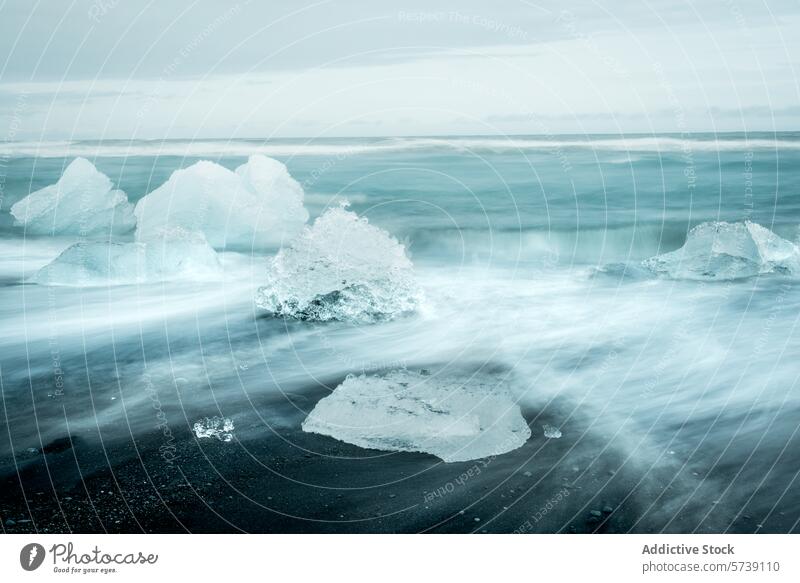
[[287, 481]]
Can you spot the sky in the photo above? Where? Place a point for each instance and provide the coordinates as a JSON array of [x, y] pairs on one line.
[[167, 69]]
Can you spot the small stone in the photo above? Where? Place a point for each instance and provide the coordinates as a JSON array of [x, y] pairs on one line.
[[10, 522], [607, 509], [596, 513], [392, 495], [32, 450], [476, 519], [527, 474]]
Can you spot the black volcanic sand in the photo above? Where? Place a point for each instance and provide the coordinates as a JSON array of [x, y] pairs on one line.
[[289, 481]]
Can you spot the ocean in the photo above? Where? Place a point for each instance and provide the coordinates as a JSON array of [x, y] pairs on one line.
[[676, 397]]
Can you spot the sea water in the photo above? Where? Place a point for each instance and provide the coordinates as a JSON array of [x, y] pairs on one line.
[[527, 251]]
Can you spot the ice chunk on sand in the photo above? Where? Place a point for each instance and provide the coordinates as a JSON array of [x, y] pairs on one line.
[[551, 432], [725, 251], [341, 268], [258, 206], [173, 256], [83, 202], [219, 427], [456, 418]]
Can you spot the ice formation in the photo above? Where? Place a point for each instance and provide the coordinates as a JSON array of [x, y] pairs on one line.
[[83, 201], [172, 256], [724, 251], [551, 432], [456, 418], [219, 427], [341, 268], [258, 206]]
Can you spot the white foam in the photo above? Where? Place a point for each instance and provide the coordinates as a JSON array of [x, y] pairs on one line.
[[243, 148], [456, 418]]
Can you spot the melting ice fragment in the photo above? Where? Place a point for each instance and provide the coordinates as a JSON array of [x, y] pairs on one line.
[[83, 201], [456, 418], [341, 268], [258, 206], [219, 427], [724, 251], [176, 255], [551, 432]]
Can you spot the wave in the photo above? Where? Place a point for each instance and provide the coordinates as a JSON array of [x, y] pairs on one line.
[[352, 147]]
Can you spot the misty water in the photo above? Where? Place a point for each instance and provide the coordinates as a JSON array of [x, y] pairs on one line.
[[528, 252]]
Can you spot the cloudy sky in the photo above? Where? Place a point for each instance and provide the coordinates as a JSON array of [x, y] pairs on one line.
[[205, 68]]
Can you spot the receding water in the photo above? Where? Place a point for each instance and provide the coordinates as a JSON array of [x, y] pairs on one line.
[[505, 237]]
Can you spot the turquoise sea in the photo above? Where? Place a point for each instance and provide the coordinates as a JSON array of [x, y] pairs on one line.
[[677, 398]]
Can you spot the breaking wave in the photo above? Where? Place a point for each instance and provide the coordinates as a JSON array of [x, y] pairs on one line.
[[349, 147]]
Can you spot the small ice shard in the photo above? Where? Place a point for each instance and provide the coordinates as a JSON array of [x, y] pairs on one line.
[[341, 268], [720, 251], [551, 432], [219, 427], [258, 206], [173, 256], [82, 202], [456, 418]]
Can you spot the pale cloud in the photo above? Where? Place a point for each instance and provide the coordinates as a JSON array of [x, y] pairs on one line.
[[349, 68]]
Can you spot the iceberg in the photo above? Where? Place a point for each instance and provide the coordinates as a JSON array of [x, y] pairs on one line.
[[341, 268], [258, 206], [176, 255], [719, 251], [82, 202], [456, 418]]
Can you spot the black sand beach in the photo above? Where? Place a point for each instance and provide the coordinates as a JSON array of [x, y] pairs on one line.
[[290, 481]]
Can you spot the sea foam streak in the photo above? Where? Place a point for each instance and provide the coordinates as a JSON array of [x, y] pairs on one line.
[[333, 147]]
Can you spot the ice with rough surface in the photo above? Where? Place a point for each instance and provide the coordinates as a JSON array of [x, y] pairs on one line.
[[551, 432], [258, 206], [172, 256], [83, 201], [219, 427], [724, 251], [456, 418], [341, 268]]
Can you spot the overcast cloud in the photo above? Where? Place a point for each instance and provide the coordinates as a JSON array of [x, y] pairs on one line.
[[168, 69]]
